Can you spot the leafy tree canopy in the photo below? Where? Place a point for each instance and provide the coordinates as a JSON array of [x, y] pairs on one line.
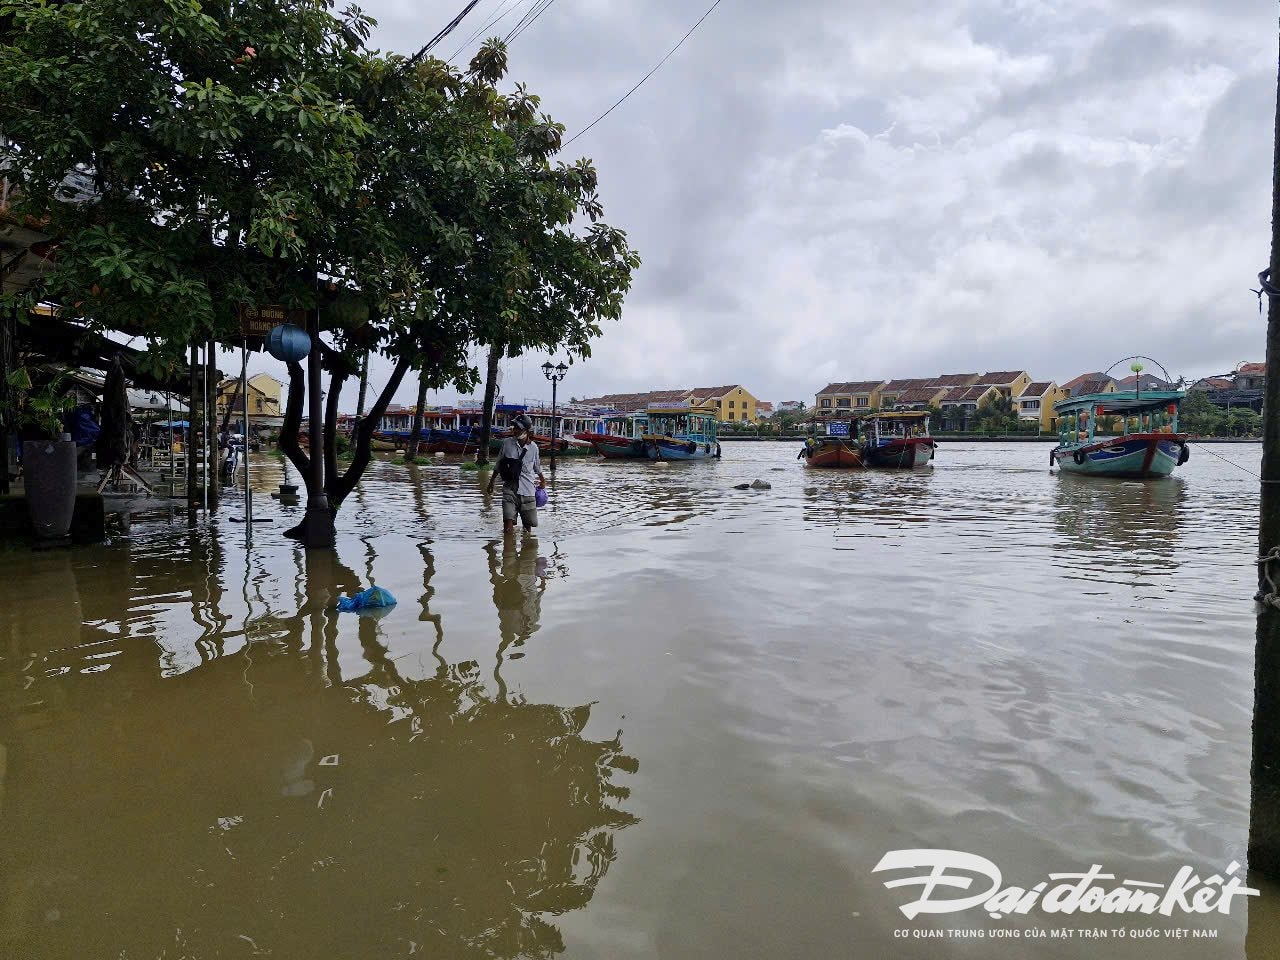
[[241, 150]]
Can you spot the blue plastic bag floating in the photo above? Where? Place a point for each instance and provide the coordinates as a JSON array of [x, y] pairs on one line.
[[540, 497], [369, 599]]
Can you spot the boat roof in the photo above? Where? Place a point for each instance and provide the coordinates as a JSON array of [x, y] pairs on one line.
[[1121, 400], [897, 415], [696, 411]]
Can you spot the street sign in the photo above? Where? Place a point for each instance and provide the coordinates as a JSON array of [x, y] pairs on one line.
[[837, 428], [259, 321]]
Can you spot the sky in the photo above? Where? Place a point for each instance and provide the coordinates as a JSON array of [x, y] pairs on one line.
[[853, 190]]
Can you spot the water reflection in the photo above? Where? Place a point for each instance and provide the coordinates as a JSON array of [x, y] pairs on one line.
[[263, 802], [1124, 518]]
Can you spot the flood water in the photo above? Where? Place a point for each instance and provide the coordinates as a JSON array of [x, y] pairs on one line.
[[686, 721]]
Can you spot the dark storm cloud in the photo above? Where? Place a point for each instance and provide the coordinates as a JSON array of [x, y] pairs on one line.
[[833, 190]]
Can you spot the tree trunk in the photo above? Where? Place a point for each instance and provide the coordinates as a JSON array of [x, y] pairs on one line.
[[292, 425], [364, 384], [416, 433], [490, 390]]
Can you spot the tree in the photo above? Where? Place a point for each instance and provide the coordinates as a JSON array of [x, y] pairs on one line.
[[1200, 417], [1243, 422], [256, 152], [995, 415]]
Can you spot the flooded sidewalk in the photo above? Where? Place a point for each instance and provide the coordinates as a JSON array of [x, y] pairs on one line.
[[684, 721]]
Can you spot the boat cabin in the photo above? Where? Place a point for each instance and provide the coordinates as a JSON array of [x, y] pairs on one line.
[[880, 427], [682, 422], [1082, 418]]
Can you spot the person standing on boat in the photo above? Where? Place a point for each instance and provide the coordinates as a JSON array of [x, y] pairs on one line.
[[521, 471]]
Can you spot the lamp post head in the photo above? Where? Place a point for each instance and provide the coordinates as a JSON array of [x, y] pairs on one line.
[[562, 370], [546, 369]]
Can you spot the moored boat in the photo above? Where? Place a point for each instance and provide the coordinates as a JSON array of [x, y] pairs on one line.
[[832, 452], [896, 440], [1148, 445], [681, 432], [622, 437]]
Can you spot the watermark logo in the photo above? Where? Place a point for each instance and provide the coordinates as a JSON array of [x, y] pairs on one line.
[[938, 874]]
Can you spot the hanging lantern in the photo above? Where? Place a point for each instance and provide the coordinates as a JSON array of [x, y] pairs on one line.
[[1172, 409], [1098, 411], [288, 343]]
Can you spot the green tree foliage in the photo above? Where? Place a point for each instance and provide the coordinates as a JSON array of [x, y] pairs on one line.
[[1199, 417], [251, 151], [994, 415]]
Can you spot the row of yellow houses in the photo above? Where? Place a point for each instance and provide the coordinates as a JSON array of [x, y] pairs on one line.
[[957, 395]]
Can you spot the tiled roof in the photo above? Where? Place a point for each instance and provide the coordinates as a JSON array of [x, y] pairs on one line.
[[1072, 384], [919, 395], [954, 380], [897, 386], [1001, 377], [1215, 383], [853, 386], [964, 394], [1252, 368], [1038, 389], [712, 392], [764, 405], [1096, 385]]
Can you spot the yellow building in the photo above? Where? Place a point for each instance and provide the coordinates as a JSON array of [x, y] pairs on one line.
[[733, 402], [841, 399], [264, 395], [1038, 401]]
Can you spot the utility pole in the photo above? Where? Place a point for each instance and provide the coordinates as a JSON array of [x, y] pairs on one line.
[[317, 522], [1264, 808]]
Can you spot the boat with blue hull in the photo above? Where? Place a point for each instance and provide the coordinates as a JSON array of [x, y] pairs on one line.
[[620, 437], [681, 432], [1129, 434]]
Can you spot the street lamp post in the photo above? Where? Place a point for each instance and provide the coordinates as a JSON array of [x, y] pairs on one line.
[[555, 375]]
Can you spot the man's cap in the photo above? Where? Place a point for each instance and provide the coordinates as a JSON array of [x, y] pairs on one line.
[[521, 424]]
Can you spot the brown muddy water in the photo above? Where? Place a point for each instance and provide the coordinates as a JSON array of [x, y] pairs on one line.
[[686, 722]]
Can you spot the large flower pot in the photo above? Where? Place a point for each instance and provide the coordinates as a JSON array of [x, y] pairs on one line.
[[49, 476]]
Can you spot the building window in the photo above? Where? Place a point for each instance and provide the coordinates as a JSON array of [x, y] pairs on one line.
[[1030, 404], [826, 401], [863, 401], [842, 402]]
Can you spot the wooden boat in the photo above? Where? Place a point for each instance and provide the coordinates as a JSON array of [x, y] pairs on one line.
[[622, 437], [832, 452], [681, 432], [896, 440], [1149, 445]]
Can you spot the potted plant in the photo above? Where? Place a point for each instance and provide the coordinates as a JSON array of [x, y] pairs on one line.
[[48, 454]]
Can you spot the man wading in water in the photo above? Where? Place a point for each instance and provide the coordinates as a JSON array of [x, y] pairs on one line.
[[518, 464]]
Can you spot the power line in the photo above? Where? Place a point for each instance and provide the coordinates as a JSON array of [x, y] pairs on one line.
[[506, 8], [444, 32], [539, 8], [646, 76]]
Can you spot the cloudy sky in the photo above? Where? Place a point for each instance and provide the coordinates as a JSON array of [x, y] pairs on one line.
[[853, 189]]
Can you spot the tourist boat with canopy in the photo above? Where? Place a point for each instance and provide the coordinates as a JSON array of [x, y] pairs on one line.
[[681, 432], [836, 450], [621, 437], [896, 440], [1147, 446]]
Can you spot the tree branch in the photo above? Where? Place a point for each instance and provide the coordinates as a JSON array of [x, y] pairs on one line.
[[293, 421]]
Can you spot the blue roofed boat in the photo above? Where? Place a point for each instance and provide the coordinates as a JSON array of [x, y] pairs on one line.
[[1147, 446], [681, 432]]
